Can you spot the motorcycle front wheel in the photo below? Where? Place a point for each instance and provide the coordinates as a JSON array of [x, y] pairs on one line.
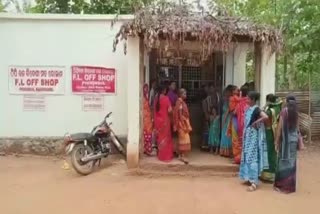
[[78, 152]]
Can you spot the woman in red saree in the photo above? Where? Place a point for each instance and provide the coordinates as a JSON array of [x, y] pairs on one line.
[[147, 122], [181, 121], [240, 113], [162, 125]]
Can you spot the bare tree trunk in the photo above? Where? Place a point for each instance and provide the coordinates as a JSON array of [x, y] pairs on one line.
[[285, 70], [291, 73], [277, 70], [295, 74], [309, 109]]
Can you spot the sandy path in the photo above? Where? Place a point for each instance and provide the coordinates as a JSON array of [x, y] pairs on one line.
[[39, 186]]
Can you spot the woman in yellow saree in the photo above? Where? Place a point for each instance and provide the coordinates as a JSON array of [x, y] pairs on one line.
[[181, 122], [233, 124]]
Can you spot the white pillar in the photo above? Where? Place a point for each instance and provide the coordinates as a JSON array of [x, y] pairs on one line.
[[268, 73], [146, 64], [229, 68], [133, 90], [239, 66]]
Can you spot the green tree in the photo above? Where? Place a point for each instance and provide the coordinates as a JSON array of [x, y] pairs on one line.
[[300, 22], [89, 7], [20, 6], [3, 6]]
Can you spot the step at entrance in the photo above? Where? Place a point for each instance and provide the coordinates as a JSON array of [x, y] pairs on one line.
[[203, 164]]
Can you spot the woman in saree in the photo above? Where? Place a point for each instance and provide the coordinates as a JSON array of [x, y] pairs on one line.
[[272, 109], [162, 125], [254, 151], [287, 145], [237, 125], [234, 101], [212, 99], [214, 131], [181, 124], [226, 144], [147, 122]]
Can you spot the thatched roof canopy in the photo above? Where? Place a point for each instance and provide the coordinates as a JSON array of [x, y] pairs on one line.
[[178, 23]]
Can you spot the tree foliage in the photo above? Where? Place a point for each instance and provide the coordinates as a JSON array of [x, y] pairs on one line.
[[3, 6], [89, 7], [300, 22], [19, 6]]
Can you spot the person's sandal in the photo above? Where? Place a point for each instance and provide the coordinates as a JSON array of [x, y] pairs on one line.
[[276, 189], [252, 188], [246, 183], [183, 160]]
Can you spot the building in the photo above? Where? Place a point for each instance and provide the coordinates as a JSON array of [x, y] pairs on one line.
[[78, 45]]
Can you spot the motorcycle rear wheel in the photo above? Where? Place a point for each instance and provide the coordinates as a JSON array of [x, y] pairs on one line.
[[77, 153]]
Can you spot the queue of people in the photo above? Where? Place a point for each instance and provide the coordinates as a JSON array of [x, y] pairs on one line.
[[264, 142], [166, 114]]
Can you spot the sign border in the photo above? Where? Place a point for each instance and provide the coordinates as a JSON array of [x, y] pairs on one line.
[[40, 93]]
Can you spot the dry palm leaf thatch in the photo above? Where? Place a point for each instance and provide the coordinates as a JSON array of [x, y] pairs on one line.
[[179, 22]]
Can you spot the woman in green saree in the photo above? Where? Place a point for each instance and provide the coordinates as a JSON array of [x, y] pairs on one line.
[[272, 109]]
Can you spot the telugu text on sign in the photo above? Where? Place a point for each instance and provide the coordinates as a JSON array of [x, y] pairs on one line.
[[36, 80], [92, 103], [88, 80]]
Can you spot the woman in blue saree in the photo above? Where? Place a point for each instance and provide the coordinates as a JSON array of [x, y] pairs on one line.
[[254, 157], [287, 145], [214, 131], [226, 143]]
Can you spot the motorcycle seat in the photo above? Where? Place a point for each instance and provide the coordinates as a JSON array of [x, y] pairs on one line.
[[82, 136]]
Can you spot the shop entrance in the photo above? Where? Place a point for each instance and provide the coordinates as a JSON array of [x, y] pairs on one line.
[[189, 72]]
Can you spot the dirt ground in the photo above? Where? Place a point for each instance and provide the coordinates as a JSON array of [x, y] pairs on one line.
[[39, 185]]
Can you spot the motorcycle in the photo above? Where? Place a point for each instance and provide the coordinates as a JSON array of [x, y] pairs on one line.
[[87, 149]]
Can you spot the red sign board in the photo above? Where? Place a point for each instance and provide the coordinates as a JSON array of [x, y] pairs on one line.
[[90, 80]]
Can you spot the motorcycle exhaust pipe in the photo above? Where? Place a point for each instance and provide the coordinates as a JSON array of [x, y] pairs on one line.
[[92, 157]]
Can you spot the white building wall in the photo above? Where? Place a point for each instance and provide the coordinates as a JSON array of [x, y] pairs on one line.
[[60, 40]]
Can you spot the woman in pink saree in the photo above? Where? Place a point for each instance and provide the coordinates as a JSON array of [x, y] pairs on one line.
[[162, 125], [239, 111]]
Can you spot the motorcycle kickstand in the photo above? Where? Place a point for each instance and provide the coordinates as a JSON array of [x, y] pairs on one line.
[[99, 162]]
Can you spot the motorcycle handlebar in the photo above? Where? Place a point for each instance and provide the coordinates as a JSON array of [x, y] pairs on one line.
[[103, 122], [108, 115]]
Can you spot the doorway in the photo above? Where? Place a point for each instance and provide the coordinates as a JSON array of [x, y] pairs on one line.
[[189, 72]]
